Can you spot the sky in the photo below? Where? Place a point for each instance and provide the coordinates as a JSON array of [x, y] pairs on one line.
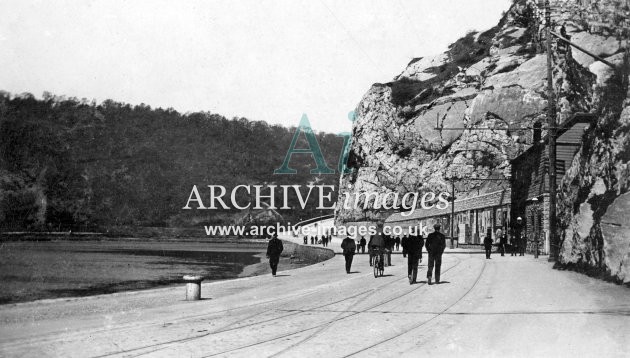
[[269, 60]]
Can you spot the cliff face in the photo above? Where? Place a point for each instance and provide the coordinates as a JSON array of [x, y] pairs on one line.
[[411, 134]]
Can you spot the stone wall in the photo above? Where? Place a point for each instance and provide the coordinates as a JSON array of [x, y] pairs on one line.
[[306, 253]]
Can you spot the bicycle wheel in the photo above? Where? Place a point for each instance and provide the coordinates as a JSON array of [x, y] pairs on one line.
[[375, 267]]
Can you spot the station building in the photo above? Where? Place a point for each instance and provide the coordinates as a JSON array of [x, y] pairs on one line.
[[498, 202]]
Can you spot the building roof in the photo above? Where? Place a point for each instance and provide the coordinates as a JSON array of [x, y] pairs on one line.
[[569, 138], [569, 133], [497, 198]]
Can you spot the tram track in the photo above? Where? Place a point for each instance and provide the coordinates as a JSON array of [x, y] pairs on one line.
[[229, 327], [322, 326], [422, 323]]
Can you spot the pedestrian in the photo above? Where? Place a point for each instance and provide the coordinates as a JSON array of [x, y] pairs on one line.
[[413, 247], [274, 249], [348, 247], [404, 242], [487, 244], [397, 243], [513, 244], [305, 240], [389, 246], [502, 241], [363, 243], [520, 238], [435, 244], [370, 251]]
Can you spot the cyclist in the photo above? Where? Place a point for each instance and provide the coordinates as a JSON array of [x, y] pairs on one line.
[[377, 244]]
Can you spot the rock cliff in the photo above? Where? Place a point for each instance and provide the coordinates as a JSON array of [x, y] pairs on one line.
[[413, 133]]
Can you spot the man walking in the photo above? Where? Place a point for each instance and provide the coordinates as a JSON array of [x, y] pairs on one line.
[[502, 241], [274, 249], [520, 238], [513, 244], [363, 243], [348, 247], [413, 247], [436, 243], [403, 243], [487, 243]]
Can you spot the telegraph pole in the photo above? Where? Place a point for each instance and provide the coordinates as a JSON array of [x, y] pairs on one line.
[[554, 249], [452, 212]]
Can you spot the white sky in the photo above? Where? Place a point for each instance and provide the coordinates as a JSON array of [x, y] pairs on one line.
[[260, 59]]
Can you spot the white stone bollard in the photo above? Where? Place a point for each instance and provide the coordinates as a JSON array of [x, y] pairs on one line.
[[193, 287]]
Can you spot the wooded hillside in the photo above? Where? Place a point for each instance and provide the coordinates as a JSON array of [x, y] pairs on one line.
[[74, 164]]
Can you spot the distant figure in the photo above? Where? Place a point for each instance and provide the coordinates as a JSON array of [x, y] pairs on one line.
[[371, 254], [487, 244], [436, 243], [274, 249], [363, 243], [518, 233], [324, 238], [535, 241], [502, 241], [389, 247], [312, 240], [521, 241], [305, 240], [513, 244], [397, 243], [348, 247], [412, 246], [404, 242]]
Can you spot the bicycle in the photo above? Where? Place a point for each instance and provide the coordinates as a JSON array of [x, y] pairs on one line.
[[379, 265]]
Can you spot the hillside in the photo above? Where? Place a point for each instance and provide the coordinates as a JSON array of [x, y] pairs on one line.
[[73, 164]]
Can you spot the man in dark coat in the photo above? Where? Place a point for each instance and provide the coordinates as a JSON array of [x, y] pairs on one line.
[[487, 243], [502, 241], [348, 246], [412, 246], [389, 247], [436, 243], [363, 243], [403, 243], [513, 244], [274, 249], [520, 237]]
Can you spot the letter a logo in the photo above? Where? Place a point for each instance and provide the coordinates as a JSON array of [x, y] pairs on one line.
[[313, 149]]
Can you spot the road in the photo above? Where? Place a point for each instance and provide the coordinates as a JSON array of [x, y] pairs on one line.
[[505, 306]]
